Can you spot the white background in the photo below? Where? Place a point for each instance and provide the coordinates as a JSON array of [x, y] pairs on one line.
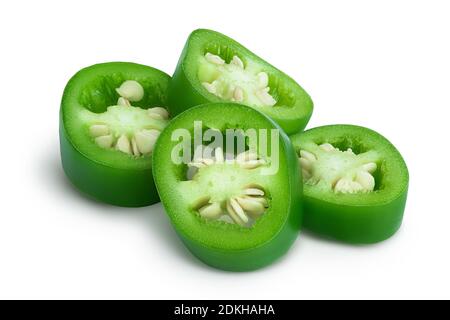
[[380, 64]]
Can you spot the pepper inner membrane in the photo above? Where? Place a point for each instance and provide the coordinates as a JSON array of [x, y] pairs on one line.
[[118, 117], [233, 77], [230, 194], [341, 167]]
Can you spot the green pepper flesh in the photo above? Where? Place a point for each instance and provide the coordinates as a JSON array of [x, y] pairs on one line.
[[223, 245], [293, 107], [359, 217], [107, 174]]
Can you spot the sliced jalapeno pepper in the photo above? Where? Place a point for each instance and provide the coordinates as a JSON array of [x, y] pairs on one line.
[[110, 118], [214, 68], [234, 208], [355, 183]]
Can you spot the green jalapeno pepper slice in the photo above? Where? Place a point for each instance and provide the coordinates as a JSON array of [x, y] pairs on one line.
[[355, 183], [214, 68], [234, 208], [111, 115]]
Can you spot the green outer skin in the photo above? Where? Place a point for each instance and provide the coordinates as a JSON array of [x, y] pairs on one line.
[[186, 91], [228, 246], [357, 218], [107, 175]]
